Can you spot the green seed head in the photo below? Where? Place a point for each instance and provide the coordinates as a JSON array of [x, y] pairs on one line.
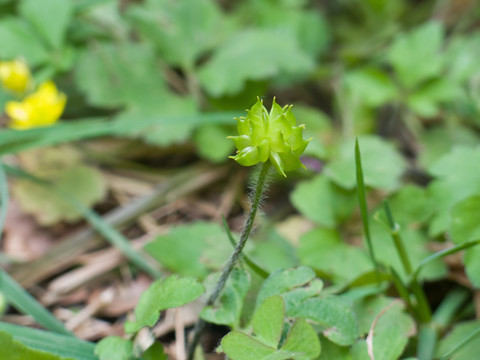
[[269, 136]]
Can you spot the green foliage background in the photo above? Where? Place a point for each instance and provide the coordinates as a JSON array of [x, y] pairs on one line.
[[401, 76]]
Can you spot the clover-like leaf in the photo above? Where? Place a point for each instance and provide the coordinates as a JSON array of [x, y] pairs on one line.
[[163, 294], [268, 322]]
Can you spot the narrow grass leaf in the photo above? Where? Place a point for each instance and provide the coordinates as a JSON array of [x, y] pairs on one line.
[[112, 235], [26, 303], [4, 197], [449, 307], [58, 344], [441, 254], [13, 141], [362, 200]]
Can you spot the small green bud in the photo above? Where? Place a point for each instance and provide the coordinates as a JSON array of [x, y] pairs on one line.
[[269, 136]]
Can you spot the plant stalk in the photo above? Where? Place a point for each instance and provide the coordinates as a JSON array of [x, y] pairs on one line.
[[257, 197]]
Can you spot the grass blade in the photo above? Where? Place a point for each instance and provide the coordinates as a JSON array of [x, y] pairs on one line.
[[4, 197], [61, 345], [441, 254], [466, 340], [112, 235], [26, 303], [449, 307], [13, 141], [362, 200], [427, 341]]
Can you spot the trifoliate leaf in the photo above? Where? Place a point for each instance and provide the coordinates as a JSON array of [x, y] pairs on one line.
[[334, 314], [268, 320]]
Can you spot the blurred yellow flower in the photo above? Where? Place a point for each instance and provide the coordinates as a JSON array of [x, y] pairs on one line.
[[41, 108], [15, 75]]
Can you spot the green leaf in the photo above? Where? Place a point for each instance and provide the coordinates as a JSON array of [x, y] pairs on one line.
[[159, 132], [273, 251], [268, 320], [18, 39], [21, 300], [415, 55], [324, 251], [382, 164], [14, 141], [334, 314], [182, 31], [456, 337], [464, 227], [331, 350], [106, 76], [163, 294], [230, 306], [426, 100], [302, 338], [366, 309], [439, 140], [15, 350], [114, 347], [191, 249], [411, 205], [212, 143], [283, 281], [240, 346], [268, 325], [252, 55], [322, 201], [64, 169], [50, 17], [458, 177], [461, 56], [391, 332], [62, 345], [307, 25], [370, 86], [416, 244], [155, 352]]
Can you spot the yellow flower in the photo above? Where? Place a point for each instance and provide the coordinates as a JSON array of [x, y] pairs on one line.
[[41, 108], [15, 75]]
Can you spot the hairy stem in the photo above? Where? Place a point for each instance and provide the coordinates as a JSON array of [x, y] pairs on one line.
[[257, 197]]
